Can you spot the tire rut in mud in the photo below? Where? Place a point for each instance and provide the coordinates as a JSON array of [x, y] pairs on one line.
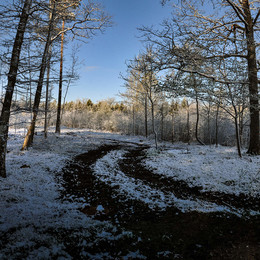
[[168, 234], [132, 166], [81, 182]]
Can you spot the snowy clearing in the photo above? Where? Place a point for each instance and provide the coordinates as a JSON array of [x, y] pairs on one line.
[[107, 170], [29, 196], [33, 211], [214, 169]]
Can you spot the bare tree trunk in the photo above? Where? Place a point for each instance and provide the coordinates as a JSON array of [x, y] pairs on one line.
[[30, 134], [237, 129], [2, 92], [5, 113], [15, 105], [133, 119], [197, 121], [188, 123], [209, 128], [58, 122], [47, 97], [216, 125], [235, 116], [237, 137], [145, 116], [172, 127], [153, 124], [241, 124], [254, 144], [29, 89], [47, 85], [162, 123], [64, 100]]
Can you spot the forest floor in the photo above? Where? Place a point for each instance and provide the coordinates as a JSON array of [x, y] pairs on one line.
[[156, 233], [107, 200]]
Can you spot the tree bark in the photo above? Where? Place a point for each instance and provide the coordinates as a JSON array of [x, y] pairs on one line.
[[197, 120], [5, 113], [153, 124], [47, 97], [162, 122], [133, 119], [145, 116], [58, 122], [209, 128], [188, 123], [237, 130], [237, 137], [254, 143], [172, 126], [216, 125], [241, 123], [30, 134]]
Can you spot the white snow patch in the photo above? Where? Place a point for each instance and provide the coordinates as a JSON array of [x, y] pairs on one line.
[[213, 169], [100, 208], [134, 255]]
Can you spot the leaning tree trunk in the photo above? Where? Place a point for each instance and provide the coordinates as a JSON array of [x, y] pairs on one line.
[[30, 134], [58, 122], [5, 114], [254, 143], [47, 97]]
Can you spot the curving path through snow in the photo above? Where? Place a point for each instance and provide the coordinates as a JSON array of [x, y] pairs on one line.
[[117, 187]]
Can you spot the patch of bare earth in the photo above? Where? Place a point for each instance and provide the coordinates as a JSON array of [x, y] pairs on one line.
[[159, 234]]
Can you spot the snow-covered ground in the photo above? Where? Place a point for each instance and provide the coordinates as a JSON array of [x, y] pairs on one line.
[[214, 169], [107, 170], [29, 196], [192, 166]]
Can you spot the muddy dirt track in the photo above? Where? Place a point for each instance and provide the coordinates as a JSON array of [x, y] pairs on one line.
[[159, 234]]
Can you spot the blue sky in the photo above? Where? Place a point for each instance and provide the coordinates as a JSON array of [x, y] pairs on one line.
[[105, 55]]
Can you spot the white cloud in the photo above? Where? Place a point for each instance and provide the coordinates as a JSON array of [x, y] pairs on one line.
[[91, 68]]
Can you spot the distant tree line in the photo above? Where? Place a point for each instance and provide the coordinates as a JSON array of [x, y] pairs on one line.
[[175, 119]]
